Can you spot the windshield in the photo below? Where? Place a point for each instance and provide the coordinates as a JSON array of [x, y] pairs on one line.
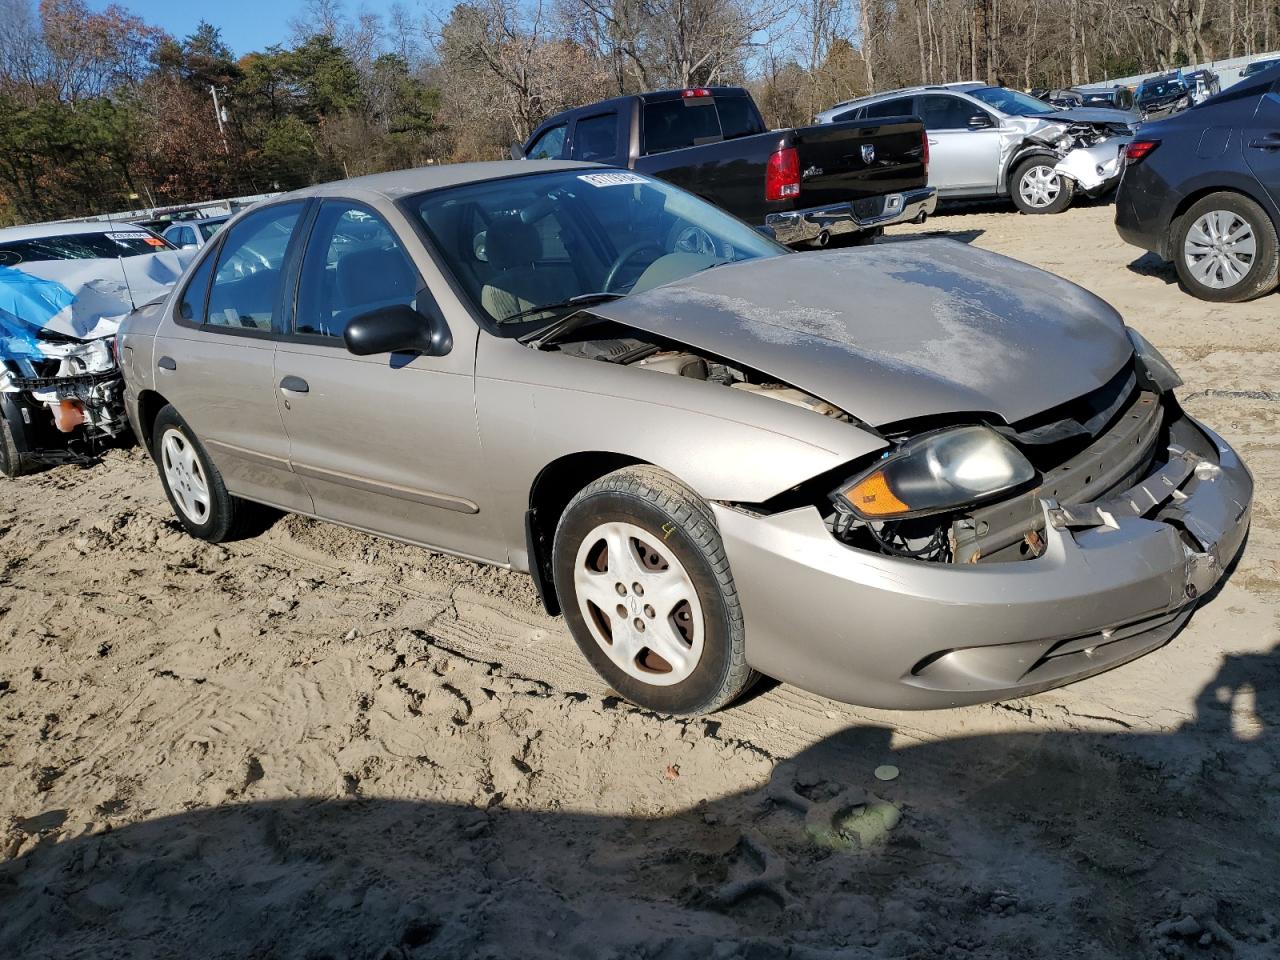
[[526, 243], [1161, 88], [1011, 102], [81, 246]]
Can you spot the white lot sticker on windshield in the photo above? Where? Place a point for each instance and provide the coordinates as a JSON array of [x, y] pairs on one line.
[[611, 179]]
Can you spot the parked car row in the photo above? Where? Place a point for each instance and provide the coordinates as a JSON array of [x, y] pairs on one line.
[[716, 457]]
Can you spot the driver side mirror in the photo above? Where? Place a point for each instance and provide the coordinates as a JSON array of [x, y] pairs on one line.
[[980, 121], [398, 329]]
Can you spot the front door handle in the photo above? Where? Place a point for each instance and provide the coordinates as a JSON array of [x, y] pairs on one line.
[[932, 142], [295, 385], [167, 363], [1270, 142]]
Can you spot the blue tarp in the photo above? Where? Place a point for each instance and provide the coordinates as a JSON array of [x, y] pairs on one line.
[[27, 304]]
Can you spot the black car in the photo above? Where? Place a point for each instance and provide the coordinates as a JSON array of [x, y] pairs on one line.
[[1161, 96], [1202, 188]]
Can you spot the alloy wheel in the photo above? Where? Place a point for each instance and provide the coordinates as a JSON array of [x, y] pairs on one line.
[[1220, 249], [184, 475], [639, 603]]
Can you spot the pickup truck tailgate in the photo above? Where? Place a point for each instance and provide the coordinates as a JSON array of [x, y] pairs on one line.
[[841, 162]]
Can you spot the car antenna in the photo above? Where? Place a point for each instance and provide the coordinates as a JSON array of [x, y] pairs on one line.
[[128, 289]]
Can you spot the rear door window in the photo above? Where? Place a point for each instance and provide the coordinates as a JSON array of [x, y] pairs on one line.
[[897, 107], [549, 145], [738, 117], [687, 122], [596, 138], [245, 294]]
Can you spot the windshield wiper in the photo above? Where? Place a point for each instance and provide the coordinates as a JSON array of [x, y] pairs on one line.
[[581, 300]]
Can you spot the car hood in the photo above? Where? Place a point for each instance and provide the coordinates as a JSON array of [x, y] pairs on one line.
[[896, 331], [1090, 115], [78, 299]]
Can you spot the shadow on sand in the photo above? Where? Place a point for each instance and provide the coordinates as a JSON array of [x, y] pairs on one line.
[[1022, 845]]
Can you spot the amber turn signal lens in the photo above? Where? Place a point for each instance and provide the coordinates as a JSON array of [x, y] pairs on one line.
[[873, 498]]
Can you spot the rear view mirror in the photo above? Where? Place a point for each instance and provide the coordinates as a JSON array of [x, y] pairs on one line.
[[397, 329], [980, 121]]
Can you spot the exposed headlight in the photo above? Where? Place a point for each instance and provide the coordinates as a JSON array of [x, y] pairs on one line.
[[935, 473], [1159, 371]]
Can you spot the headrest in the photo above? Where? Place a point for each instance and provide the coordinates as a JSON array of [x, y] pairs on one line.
[[510, 242]]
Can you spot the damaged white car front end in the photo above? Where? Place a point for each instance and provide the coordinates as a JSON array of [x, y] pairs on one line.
[[1089, 151], [61, 393]]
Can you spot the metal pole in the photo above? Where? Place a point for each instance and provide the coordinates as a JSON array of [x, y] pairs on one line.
[[217, 113]]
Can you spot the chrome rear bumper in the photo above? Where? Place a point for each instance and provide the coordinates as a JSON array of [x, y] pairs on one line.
[[855, 216]]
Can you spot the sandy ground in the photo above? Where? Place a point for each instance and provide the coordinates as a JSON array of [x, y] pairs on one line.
[[316, 744]]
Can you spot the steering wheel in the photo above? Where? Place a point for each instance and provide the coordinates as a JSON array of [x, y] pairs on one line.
[[627, 255]]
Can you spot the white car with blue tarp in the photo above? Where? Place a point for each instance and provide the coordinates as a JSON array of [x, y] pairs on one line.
[[64, 288]]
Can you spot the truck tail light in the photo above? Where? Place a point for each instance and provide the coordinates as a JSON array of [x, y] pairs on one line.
[[695, 92], [924, 150], [1138, 150], [782, 175]]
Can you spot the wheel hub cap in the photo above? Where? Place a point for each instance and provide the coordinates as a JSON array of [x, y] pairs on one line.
[[1220, 249], [185, 476], [639, 603], [1039, 186]]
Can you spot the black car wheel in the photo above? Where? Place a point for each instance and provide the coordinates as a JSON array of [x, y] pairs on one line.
[[1037, 189], [1225, 249], [13, 462], [648, 595]]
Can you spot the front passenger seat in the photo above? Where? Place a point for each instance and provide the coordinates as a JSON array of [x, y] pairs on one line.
[[514, 247]]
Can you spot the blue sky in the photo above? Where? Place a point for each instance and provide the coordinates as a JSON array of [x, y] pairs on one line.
[[246, 24]]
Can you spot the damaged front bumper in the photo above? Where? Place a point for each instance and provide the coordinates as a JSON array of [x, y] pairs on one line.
[[858, 216], [1115, 579], [1095, 169], [61, 406]]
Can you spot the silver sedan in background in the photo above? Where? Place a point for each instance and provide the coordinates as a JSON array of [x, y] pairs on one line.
[[907, 475]]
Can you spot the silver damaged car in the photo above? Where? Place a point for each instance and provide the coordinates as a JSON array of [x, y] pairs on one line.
[[908, 475]]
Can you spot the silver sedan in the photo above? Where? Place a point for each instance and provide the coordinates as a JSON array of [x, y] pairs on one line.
[[907, 475]]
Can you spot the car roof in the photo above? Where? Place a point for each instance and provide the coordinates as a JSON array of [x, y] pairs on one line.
[[33, 231], [960, 86], [403, 183]]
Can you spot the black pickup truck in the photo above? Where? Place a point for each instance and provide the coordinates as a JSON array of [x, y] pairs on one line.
[[807, 185]]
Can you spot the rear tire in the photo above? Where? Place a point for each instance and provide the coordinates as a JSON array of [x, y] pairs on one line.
[[641, 572], [197, 494], [1035, 188], [1225, 250]]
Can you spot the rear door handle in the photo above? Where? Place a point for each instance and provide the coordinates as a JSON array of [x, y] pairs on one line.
[[1270, 142], [295, 385], [167, 363]]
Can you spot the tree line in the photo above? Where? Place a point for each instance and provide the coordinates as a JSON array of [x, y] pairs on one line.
[[102, 111]]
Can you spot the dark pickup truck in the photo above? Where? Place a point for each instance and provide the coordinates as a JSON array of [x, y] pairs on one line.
[[807, 185]]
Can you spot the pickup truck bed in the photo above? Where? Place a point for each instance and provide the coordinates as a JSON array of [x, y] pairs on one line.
[[806, 184]]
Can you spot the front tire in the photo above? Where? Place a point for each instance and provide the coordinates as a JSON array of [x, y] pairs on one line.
[[1037, 189], [648, 595], [197, 494], [1224, 248], [12, 461]]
